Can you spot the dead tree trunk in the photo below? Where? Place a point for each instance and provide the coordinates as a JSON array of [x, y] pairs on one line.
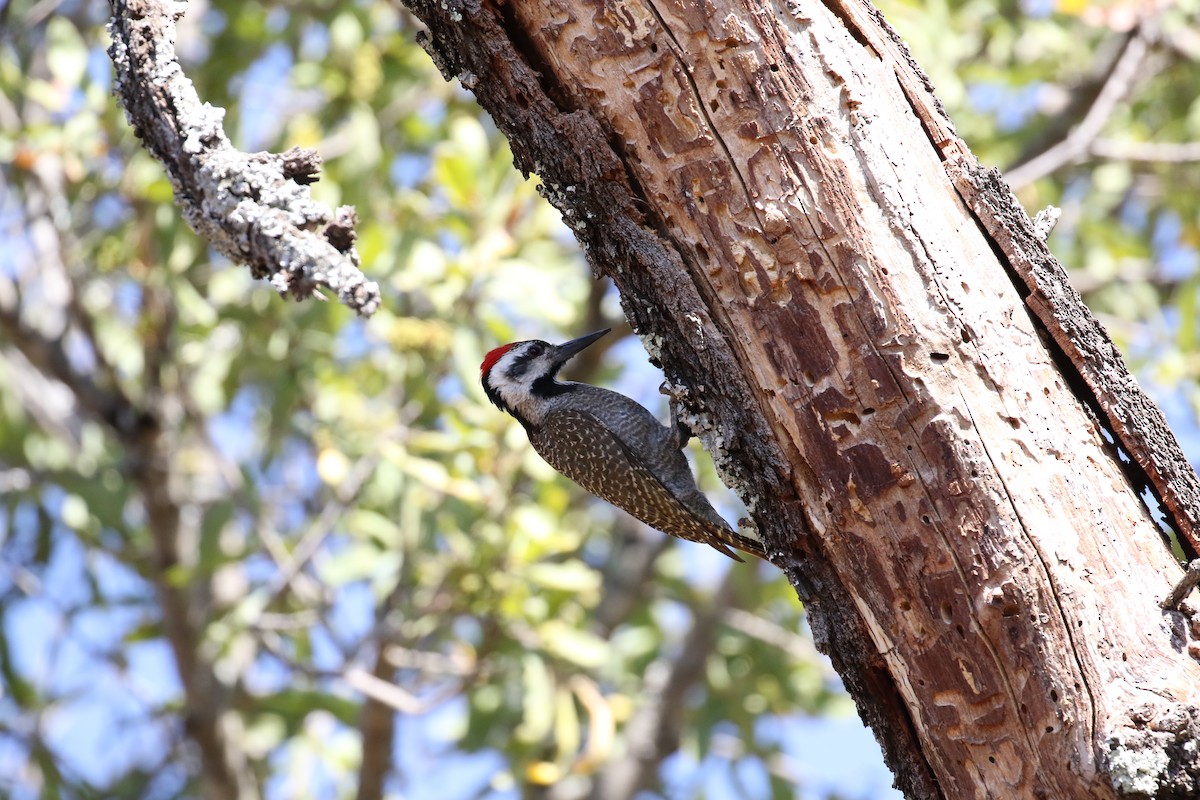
[[885, 363]]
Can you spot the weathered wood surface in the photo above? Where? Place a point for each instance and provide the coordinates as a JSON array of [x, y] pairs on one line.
[[788, 239]]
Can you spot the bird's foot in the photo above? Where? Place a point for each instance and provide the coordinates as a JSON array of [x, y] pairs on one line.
[[680, 431]]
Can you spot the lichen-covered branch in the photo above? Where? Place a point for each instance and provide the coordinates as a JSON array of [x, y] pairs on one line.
[[254, 208]]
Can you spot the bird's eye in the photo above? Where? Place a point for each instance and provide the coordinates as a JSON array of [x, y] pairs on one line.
[[521, 363]]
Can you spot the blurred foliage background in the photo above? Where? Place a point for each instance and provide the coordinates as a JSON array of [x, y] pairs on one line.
[[254, 548]]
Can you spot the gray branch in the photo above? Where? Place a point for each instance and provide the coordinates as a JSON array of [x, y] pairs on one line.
[[653, 732], [254, 208], [1126, 71], [1148, 152], [35, 339]]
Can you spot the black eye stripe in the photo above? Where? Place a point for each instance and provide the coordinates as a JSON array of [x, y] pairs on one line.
[[521, 363]]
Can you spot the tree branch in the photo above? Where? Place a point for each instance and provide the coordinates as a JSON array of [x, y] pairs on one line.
[[107, 404], [653, 733], [254, 208], [1126, 70], [225, 772], [138, 428], [377, 722], [1153, 152], [320, 528]]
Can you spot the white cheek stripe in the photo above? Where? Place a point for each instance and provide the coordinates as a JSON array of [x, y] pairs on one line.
[[514, 393]]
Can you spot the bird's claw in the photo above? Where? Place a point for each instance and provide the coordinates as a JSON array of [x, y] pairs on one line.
[[682, 433], [672, 391]]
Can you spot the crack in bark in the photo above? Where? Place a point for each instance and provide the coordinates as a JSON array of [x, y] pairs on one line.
[[1048, 574], [1079, 338], [677, 50]]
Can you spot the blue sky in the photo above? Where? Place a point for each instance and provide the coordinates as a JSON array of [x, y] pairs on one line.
[[110, 715]]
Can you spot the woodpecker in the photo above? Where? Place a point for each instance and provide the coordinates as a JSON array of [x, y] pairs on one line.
[[606, 442]]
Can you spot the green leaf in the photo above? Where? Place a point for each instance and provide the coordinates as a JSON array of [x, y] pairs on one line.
[[539, 690], [569, 576], [67, 53], [576, 646]]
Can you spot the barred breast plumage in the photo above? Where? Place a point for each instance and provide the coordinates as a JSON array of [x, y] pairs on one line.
[[606, 442]]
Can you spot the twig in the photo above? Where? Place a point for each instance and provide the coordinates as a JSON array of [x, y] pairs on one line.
[[107, 404], [1151, 152], [295, 621], [1045, 220], [312, 539], [392, 695], [255, 208], [798, 648], [431, 663], [1189, 581], [52, 408], [307, 591], [653, 732]]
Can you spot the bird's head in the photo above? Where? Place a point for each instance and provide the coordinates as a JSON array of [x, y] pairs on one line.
[[520, 377]]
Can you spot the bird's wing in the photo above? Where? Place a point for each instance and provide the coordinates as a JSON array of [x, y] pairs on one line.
[[579, 446]]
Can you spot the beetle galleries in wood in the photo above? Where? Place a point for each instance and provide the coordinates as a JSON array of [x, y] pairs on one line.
[[779, 214]]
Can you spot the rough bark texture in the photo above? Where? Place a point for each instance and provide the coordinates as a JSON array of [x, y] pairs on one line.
[[827, 276], [254, 208]]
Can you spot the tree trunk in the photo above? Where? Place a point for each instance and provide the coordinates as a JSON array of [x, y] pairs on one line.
[[886, 365]]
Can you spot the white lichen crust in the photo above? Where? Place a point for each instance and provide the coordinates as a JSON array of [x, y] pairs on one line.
[[253, 208], [1157, 756]]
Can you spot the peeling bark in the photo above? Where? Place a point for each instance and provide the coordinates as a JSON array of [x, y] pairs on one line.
[[806, 247]]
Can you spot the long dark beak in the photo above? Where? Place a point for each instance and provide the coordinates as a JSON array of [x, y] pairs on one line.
[[566, 350]]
